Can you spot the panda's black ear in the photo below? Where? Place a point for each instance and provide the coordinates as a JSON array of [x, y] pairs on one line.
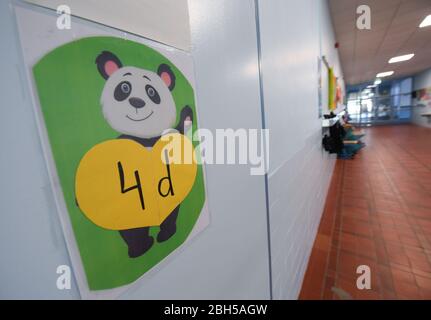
[[165, 72], [107, 64]]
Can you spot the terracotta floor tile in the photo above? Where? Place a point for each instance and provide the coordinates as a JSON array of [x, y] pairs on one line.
[[333, 257], [348, 242], [347, 285], [386, 220], [386, 280], [419, 211], [353, 201], [416, 255], [425, 293], [410, 242], [405, 231], [328, 295], [357, 227], [325, 227], [403, 223], [401, 259], [391, 237], [347, 264], [389, 196], [382, 256], [400, 267], [395, 249], [329, 283], [368, 295], [381, 188], [377, 213], [322, 242], [355, 212], [377, 231], [421, 265], [424, 283], [366, 248], [403, 276], [389, 295], [421, 273], [406, 290]]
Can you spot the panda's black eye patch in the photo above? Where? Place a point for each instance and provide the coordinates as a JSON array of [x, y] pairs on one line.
[[122, 91], [152, 94]]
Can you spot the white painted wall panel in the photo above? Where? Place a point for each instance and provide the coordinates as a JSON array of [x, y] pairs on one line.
[[300, 170], [229, 259], [31, 239], [328, 50]]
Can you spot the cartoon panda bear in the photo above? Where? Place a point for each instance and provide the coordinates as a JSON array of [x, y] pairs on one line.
[[138, 103]]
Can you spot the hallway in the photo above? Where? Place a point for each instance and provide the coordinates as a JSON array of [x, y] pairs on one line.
[[377, 213]]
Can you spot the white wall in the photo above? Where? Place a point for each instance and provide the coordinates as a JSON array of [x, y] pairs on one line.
[[300, 170], [421, 81], [227, 260], [31, 240], [327, 45], [328, 39], [230, 258]]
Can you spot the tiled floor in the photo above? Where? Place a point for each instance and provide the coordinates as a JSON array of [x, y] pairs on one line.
[[378, 213]]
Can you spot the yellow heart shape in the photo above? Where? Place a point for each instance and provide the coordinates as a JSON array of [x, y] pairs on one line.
[[122, 185]]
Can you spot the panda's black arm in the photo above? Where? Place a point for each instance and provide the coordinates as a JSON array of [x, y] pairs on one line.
[[186, 112]]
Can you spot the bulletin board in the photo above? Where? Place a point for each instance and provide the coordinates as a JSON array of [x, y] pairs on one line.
[[120, 215], [331, 87]]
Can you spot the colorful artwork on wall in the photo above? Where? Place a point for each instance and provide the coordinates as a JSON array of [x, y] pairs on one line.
[[332, 85], [128, 209], [319, 88], [108, 109]]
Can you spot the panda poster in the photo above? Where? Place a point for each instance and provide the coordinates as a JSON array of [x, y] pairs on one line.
[[108, 108]]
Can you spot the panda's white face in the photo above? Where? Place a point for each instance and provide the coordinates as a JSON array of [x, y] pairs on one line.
[[137, 102]]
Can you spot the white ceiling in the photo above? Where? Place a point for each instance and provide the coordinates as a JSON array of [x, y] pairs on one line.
[[394, 31]]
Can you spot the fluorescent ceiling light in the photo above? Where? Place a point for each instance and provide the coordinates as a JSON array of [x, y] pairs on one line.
[[378, 81], [426, 22], [401, 58], [384, 74], [371, 86]]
